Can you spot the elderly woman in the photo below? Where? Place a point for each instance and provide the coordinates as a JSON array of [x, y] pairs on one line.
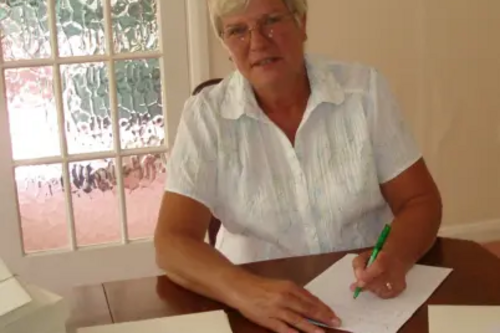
[[295, 155]]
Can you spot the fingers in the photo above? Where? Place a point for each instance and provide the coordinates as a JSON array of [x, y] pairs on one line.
[[279, 326], [308, 310], [383, 291], [384, 286], [284, 307], [371, 273], [297, 321], [314, 308], [383, 277], [297, 305], [359, 262], [359, 266], [365, 275]]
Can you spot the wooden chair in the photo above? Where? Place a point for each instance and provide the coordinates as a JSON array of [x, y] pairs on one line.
[[214, 226]]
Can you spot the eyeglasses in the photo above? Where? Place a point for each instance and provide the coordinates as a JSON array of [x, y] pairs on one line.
[[267, 25]]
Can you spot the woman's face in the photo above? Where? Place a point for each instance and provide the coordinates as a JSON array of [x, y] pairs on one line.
[[265, 42]]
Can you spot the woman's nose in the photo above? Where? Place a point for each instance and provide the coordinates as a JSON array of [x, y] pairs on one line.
[[259, 39]]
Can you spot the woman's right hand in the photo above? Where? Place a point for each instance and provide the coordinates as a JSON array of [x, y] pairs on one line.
[[282, 306]]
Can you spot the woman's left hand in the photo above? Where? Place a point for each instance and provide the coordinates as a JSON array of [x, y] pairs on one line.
[[385, 277]]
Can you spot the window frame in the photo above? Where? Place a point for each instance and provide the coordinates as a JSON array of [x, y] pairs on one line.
[[184, 45]]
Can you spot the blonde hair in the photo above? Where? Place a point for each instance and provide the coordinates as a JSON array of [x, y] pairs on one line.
[[220, 8]]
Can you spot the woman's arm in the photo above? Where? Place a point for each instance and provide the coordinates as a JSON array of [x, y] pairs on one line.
[[184, 255], [416, 204], [406, 183], [190, 262], [407, 187]]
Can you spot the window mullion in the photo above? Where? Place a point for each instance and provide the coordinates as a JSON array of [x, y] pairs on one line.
[[113, 104], [57, 86]]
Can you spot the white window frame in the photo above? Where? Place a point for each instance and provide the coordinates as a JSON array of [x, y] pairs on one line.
[[184, 44]]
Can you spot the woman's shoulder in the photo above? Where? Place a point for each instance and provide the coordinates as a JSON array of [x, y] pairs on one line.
[[204, 106], [212, 91], [215, 88], [351, 75], [224, 99]]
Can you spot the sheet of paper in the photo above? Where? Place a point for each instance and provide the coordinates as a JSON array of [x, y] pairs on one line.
[[464, 319], [368, 313], [205, 322], [46, 313], [4, 271], [12, 296]]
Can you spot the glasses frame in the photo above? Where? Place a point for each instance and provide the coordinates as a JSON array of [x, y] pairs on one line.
[[266, 22]]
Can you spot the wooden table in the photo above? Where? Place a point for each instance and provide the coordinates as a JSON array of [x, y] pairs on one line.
[[474, 281]]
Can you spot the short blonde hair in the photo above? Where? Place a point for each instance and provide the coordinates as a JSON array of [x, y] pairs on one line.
[[220, 8]]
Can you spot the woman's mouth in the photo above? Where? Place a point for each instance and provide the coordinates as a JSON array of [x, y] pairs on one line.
[[266, 61]]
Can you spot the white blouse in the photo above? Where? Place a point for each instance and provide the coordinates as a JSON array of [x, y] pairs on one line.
[[276, 199]]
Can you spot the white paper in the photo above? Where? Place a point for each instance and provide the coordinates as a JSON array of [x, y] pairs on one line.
[[4, 271], [368, 313], [205, 322], [464, 319], [12, 296], [46, 313]]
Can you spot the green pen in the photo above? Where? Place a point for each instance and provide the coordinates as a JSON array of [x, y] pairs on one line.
[[376, 250]]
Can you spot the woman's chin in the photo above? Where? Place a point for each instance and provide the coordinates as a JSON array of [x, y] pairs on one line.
[[267, 77]]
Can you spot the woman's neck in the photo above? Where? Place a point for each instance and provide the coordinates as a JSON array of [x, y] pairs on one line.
[[288, 98]]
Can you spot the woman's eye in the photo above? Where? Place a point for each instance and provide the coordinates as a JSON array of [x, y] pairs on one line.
[[236, 31], [272, 20]]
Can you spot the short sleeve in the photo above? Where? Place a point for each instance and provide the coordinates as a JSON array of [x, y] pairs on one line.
[[395, 148], [191, 166]]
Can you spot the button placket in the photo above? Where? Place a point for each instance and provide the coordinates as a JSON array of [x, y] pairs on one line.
[[301, 190], [305, 204]]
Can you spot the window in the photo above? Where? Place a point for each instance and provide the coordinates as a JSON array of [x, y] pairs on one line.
[[93, 92]]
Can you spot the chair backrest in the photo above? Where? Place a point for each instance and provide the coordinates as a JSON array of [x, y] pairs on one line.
[[205, 84], [214, 226]]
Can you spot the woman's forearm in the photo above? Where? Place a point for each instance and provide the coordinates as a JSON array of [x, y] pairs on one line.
[[197, 266], [415, 229]]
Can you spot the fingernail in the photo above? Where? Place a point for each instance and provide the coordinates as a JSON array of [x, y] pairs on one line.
[[335, 322]]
